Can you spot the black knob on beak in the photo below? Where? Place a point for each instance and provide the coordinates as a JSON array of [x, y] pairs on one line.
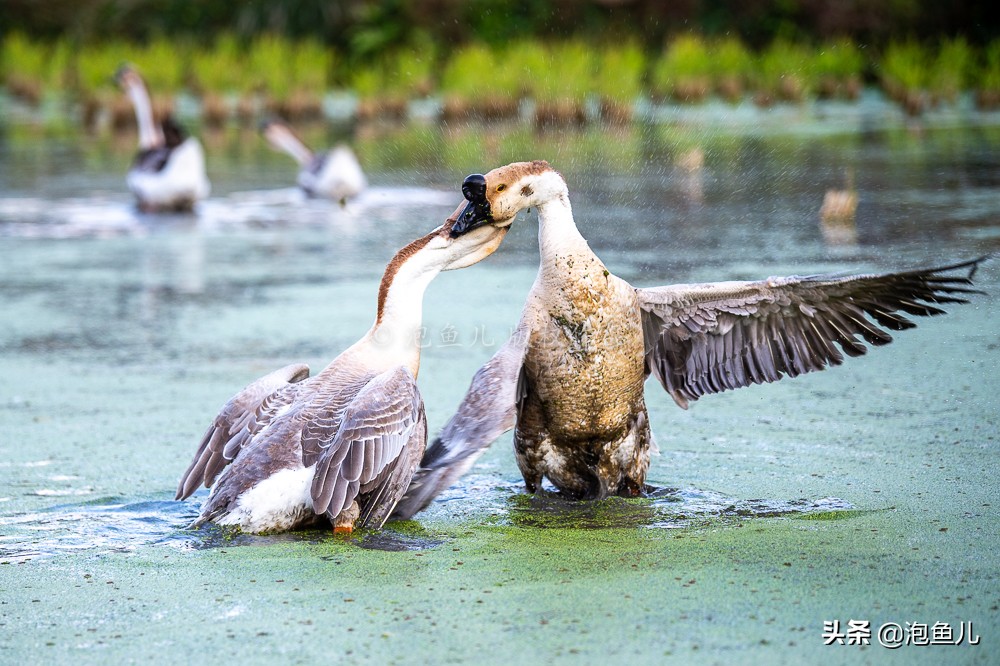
[[474, 187], [477, 212]]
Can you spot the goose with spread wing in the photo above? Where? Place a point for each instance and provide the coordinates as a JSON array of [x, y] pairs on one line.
[[570, 380], [290, 450], [168, 172], [334, 174]]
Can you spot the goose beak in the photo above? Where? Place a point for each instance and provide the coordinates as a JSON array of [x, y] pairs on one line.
[[477, 212]]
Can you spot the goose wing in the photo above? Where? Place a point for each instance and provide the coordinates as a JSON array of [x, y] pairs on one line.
[[245, 414], [367, 447], [488, 410], [707, 338]]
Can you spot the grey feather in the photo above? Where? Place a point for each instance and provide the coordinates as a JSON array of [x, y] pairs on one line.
[[488, 410], [233, 422], [708, 338], [363, 454]]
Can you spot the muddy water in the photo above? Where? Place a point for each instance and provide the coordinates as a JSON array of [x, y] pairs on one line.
[[865, 492]]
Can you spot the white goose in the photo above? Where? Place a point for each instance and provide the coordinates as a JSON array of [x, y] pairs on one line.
[[335, 174], [290, 450], [168, 172], [571, 377]]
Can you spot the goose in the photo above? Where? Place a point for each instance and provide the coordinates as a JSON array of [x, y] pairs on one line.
[[291, 450], [570, 380], [334, 175], [168, 172]]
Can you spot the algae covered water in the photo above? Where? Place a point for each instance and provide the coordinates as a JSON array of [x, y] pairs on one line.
[[863, 493]]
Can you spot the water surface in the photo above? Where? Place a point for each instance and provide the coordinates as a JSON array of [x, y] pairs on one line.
[[863, 492]]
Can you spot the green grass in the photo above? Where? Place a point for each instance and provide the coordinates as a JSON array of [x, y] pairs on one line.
[[839, 67], [552, 73], [988, 77], [220, 68], [950, 70], [904, 68], [785, 71], [569, 73], [684, 71], [618, 72], [731, 65], [96, 65]]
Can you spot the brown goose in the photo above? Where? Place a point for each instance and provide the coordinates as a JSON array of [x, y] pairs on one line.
[[289, 450], [571, 377]]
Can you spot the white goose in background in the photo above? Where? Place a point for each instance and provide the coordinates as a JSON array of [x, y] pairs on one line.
[[571, 377], [168, 172], [335, 174], [291, 449]]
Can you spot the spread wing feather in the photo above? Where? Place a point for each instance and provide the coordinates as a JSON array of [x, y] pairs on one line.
[[361, 449], [708, 338], [245, 414]]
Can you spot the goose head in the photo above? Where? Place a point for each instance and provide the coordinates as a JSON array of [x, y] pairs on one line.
[[459, 247], [128, 78], [497, 197]]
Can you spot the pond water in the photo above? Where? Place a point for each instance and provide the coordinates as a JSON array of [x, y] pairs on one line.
[[866, 492]]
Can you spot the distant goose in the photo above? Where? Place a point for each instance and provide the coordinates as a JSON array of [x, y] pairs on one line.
[[168, 173], [571, 377], [334, 174], [289, 450]]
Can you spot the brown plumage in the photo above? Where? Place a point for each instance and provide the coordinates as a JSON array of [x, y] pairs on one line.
[[571, 379]]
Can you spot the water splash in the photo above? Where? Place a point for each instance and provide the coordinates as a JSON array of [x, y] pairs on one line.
[[110, 525]]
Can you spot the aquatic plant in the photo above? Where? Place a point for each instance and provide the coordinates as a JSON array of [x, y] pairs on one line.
[[561, 93], [731, 63], [618, 74], [23, 66], [838, 69], [903, 73], [220, 68], [949, 72], [684, 71], [988, 77], [785, 71], [468, 92]]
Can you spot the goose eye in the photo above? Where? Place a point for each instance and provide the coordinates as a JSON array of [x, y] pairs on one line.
[[501, 187]]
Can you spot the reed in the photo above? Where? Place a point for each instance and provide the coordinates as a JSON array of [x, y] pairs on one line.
[[903, 73], [988, 78], [731, 63], [561, 93], [950, 70], [839, 68], [684, 71], [784, 72], [475, 84], [618, 74], [23, 66]]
